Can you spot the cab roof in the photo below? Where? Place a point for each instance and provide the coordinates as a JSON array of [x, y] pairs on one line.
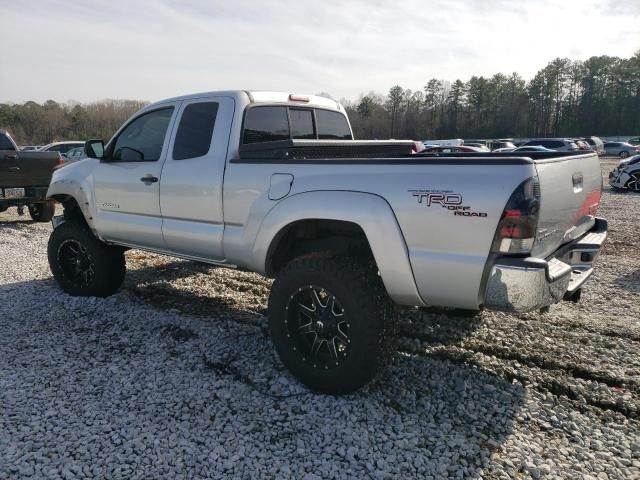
[[263, 96]]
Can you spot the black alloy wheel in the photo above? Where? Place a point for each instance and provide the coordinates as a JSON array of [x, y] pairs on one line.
[[76, 262], [318, 327]]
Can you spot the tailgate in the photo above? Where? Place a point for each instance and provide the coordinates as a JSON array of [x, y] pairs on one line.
[[28, 169], [570, 190]]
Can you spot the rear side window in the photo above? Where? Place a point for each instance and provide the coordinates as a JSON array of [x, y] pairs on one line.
[[301, 123], [332, 126], [5, 144], [195, 130], [265, 124]]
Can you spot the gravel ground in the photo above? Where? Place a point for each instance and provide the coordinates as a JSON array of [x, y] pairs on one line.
[[174, 377]]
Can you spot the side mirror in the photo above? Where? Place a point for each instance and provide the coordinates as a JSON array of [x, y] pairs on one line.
[[94, 148]]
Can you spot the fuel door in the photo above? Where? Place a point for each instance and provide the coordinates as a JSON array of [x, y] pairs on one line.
[[280, 185]]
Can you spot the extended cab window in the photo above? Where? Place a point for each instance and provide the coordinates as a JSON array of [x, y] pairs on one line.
[[142, 139], [332, 126], [265, 124], [195, 130]]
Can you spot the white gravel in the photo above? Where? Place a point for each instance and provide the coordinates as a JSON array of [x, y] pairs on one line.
[[174, 377]]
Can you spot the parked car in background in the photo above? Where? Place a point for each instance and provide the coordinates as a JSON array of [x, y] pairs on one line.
[[476, 141], [503, 150], [452, 142], [582, 145], [499, 144], [24, 179], [626, 175], [461, 149], [635, 141], [532, 148], [481, 146], [557, 144], [596, 144], [74, 155], [62, 147], [29, 148], [620, 149]]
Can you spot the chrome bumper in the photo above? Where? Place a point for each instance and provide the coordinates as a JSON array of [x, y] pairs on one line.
[[525, 284]]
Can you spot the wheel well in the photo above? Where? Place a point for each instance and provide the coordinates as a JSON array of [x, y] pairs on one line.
[[72, 210], [316, 235]]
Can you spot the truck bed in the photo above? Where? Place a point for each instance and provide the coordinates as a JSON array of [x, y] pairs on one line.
[[443, 248]]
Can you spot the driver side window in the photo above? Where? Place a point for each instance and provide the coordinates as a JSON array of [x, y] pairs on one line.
[[142, 139]]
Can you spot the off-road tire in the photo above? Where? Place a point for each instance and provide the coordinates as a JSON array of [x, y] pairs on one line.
[[108, 261], [366, 305], [42, 211]]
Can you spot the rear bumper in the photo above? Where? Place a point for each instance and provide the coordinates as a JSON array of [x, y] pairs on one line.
[[525, 284]]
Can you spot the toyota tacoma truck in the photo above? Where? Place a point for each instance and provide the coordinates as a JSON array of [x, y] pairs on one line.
[[24, 179], [274, 183]]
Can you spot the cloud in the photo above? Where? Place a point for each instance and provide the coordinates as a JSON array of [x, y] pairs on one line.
[[149, 50]]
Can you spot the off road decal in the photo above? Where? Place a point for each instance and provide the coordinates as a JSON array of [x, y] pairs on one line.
[[448, 199]]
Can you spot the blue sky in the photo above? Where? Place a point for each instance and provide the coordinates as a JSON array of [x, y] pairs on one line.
[[148, 50]]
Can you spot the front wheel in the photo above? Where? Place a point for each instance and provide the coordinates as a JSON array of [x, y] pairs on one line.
[[330, 322], [42, 211], [82, 264], [623, 154]]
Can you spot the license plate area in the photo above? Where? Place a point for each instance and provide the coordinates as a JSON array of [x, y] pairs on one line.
[[12, 192]]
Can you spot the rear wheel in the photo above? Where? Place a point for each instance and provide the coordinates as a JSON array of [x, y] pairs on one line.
[[82, 264], [623, 154], [42, 211], [633, 183], [330, 322]]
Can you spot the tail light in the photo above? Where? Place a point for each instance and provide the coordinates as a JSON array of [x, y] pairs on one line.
[[518, 224]]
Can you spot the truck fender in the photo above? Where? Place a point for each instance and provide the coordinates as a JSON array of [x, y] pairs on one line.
[[372, 213], [66, 188]]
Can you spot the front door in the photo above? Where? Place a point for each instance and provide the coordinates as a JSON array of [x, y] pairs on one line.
[[127, 180]]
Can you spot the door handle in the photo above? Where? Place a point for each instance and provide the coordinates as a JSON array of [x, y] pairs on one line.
[[149, 179], [14, 169], [12, 156]]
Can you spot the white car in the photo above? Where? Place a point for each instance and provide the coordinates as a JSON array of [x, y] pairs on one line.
[[62, 147], [627, 174]]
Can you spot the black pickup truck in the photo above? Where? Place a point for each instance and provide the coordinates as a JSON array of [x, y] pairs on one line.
[[24, 179]]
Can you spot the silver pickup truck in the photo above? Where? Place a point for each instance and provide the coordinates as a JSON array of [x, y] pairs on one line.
[[275, 183]]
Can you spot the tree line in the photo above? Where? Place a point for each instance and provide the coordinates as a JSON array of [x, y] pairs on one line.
[[598, 96], [33, 124], [567, 98]]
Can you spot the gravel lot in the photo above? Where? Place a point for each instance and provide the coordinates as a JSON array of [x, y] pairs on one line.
[[174, 377]]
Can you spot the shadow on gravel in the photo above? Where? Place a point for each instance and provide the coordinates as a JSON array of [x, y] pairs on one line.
[[181, 382], [459, 414], [436, 327], [17, 224], [629, 281]]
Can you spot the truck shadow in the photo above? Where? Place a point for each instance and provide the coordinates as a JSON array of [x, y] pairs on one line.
[[629, 281], [424, 415]]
